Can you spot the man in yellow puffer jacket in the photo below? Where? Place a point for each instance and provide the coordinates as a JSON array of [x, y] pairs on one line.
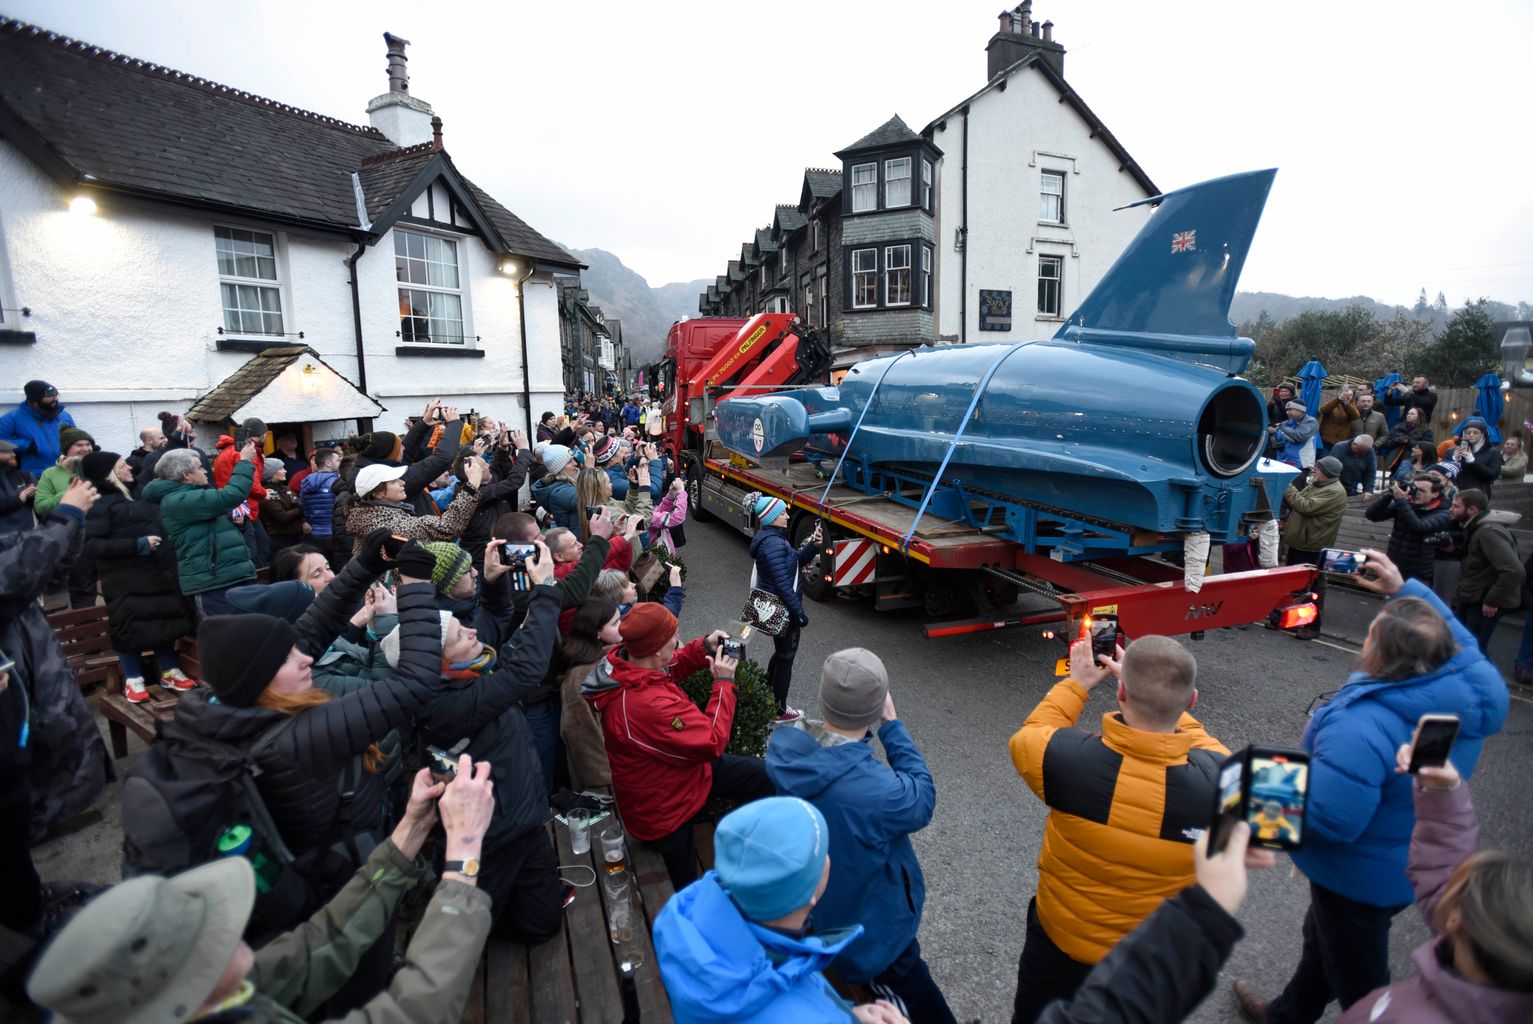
[[1125, 806]]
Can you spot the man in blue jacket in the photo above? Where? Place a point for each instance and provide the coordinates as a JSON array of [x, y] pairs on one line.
[[34, 425], [736, 946], [1416, 659], [875, 879]]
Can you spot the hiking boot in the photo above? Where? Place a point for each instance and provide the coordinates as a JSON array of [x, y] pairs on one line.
[[789, 714], [1252, 1006], [133, 689], [176, 680]]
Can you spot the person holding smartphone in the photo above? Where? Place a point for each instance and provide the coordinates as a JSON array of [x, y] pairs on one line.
[[1359, 814], [1127, 801], [1478, 965]]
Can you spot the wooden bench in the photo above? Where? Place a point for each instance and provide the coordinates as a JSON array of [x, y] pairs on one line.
[[86, 640], [576, 976], [87, 643]]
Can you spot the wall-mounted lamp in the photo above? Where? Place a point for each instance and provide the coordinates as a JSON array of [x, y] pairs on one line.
[[82, 205], [310, 379], [511, 267]]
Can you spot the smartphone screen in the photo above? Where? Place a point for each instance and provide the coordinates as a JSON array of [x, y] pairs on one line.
[[1278, 786], [1342, 561], [1433, 741], [513, 555], [1104, 636]]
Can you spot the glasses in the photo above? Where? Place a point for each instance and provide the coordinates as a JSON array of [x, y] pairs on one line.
[[1319, 701]]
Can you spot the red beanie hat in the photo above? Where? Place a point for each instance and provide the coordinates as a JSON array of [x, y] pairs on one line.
[[646, 628]]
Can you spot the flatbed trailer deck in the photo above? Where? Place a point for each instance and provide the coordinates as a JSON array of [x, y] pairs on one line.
[[1148, 595]]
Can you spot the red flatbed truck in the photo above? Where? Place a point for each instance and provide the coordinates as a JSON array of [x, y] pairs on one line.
[[965, 575]]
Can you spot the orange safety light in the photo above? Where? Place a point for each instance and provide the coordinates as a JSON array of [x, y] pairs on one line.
[[1297, 615]]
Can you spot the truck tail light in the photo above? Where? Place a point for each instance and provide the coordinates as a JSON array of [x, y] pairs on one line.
[[1303, 613]]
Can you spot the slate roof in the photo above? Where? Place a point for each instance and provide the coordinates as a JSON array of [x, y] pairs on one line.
[[891, 133], [822, 183], [788, 220], [384, 179], [764, 243], [89, 115], [1067, 94], [237, 390], [735, 273]]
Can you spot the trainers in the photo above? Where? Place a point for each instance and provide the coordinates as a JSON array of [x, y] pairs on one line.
[[1252, 1006], [175, 679], [134, 690], [789, 714]]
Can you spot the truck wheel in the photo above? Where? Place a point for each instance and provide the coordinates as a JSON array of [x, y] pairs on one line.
[[812, 576], [695, 492]]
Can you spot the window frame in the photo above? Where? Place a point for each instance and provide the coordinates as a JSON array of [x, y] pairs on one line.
[[277, 283], [928, 183], [460, 292], [928, 258], [871, 273], [1044, 177], [1058, 280], [854, 185], [889, 267], [890, 178], [824, 299]]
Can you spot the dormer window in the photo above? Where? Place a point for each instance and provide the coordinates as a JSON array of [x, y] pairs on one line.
[[864, 188], [897, 182]]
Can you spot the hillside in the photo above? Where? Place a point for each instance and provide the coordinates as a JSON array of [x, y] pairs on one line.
[[647, 313]]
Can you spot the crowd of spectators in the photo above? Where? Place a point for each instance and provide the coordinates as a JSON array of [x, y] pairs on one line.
[[406, 666]]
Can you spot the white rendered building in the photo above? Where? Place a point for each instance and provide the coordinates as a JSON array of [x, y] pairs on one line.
[[159, 232]]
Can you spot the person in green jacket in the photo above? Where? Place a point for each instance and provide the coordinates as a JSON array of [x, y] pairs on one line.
[[76, 444], [156, 949], [1314, 519], [210, 550]]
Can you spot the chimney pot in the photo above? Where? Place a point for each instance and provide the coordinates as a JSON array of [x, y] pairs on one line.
[[399, 75], [436, 133], [1005, 22], [1048, 31]]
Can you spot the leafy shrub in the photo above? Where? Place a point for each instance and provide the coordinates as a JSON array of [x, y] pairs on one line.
[[755, 707]]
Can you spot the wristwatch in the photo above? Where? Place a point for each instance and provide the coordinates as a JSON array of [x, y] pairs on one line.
[[469, 868]]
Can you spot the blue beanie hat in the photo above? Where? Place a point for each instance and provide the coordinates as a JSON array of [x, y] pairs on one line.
[[769, 856], [768, 508], [1473, 421]]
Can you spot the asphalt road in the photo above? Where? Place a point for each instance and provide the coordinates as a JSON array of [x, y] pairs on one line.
[[962, 698]]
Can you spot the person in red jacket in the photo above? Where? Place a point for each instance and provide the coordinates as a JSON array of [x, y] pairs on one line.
[[229, 454], [667, 756]]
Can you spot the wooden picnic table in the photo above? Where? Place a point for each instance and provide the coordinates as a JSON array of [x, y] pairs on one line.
[[576, 976]]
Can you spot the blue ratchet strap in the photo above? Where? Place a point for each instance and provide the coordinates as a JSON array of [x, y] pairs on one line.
[[847, 448], [984, 382]]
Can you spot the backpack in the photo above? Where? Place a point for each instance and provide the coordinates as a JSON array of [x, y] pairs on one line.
[[187, 793]]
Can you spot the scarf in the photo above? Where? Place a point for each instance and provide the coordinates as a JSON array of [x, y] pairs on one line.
[[473, 668]]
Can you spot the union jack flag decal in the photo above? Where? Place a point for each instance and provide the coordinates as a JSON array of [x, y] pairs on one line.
[[1184, 241]]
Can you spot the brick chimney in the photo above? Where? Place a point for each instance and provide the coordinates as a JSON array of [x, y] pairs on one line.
[[405, 120], [1018, 36]]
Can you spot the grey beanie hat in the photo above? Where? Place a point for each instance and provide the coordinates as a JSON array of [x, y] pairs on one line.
[[1330, 466], [853, 685], [1296, 404]]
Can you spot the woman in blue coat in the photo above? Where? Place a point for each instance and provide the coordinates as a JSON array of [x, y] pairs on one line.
[[777, 569], [1417, 659]]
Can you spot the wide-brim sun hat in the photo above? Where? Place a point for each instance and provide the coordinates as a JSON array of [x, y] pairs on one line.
[[148, 950]]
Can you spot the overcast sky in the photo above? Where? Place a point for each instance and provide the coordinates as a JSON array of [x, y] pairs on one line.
[[666, 132]]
